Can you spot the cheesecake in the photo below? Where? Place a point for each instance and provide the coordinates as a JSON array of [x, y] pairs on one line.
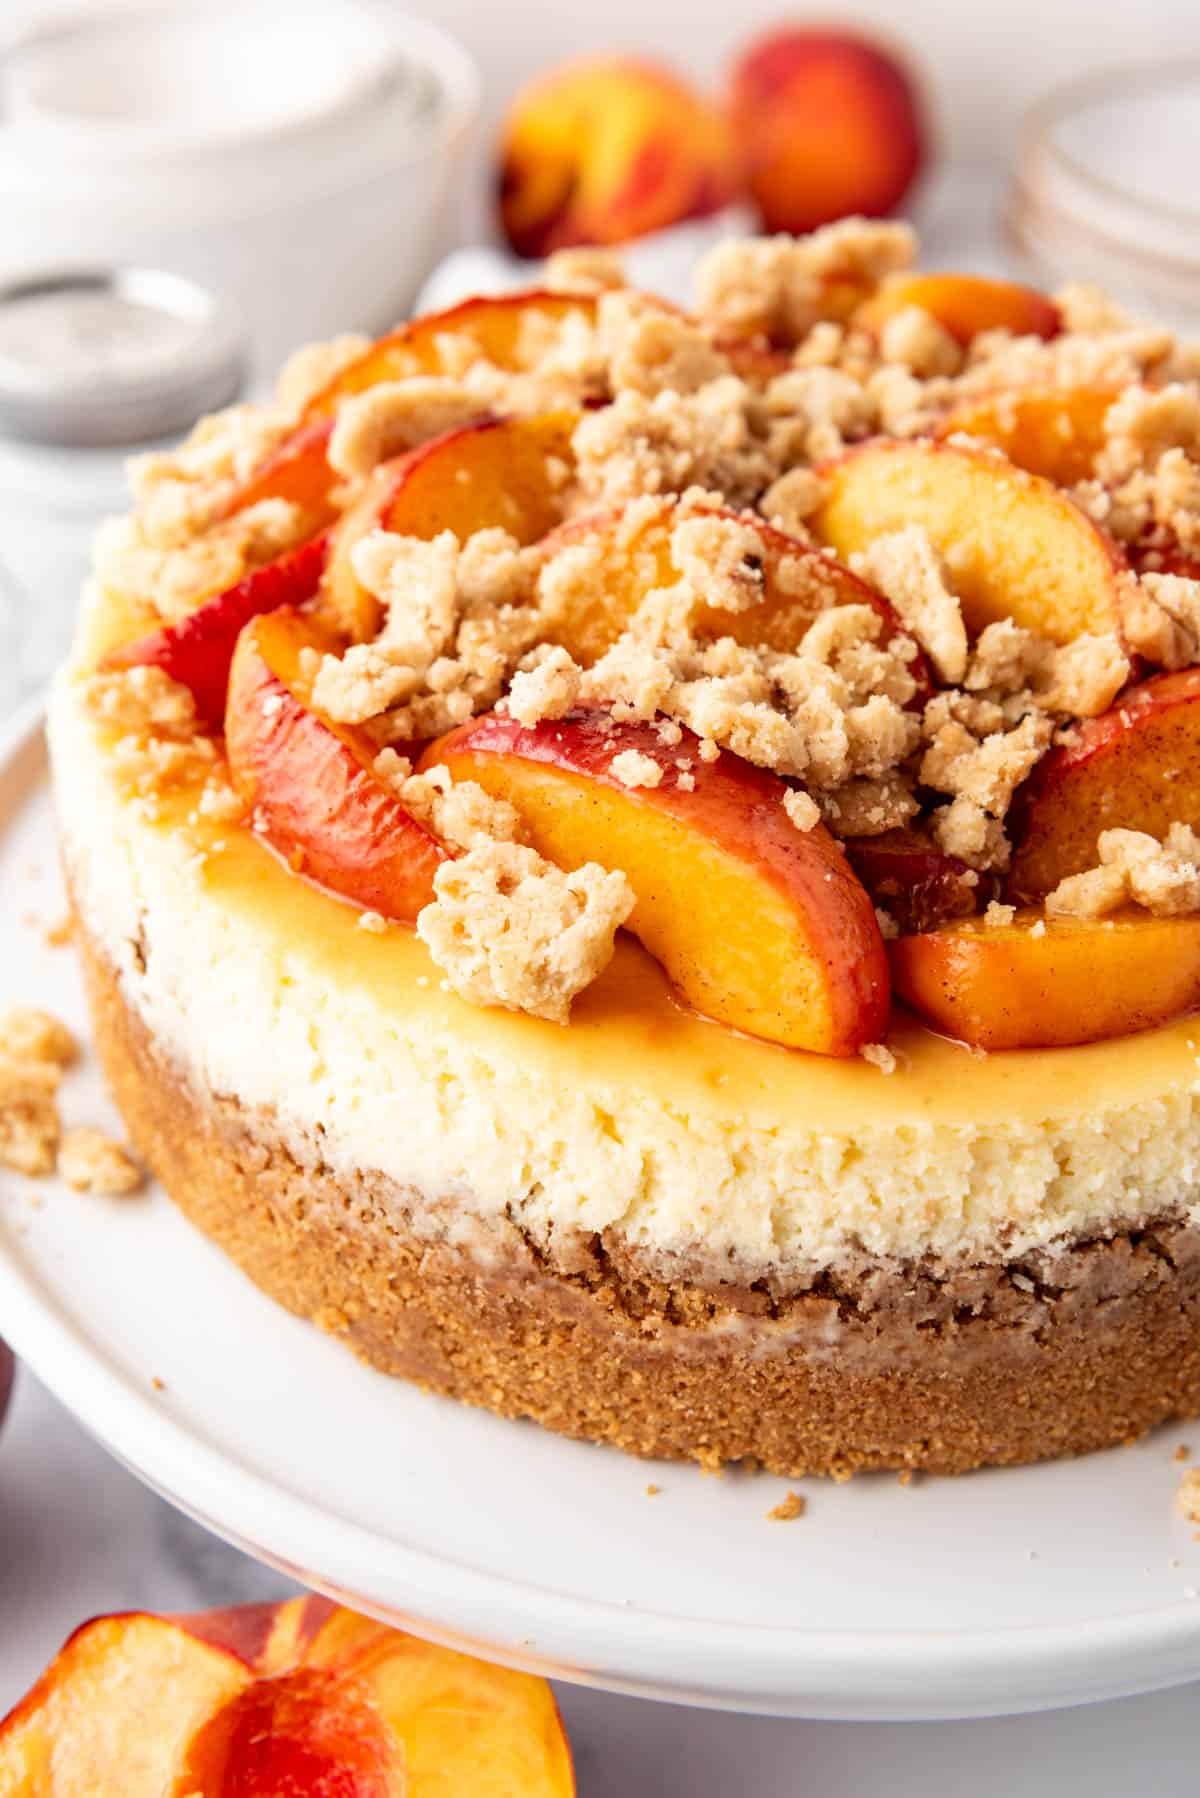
[[639, 869]]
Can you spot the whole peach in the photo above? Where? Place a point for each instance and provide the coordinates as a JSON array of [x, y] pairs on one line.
[[827, 123], [606, 150]]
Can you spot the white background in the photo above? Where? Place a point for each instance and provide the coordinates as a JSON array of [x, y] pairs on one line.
[[78, 1535]]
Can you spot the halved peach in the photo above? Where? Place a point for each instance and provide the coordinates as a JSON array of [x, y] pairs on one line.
[[496, 326], [1053, 431], [1041, 983], [275, 1701], [198, 648], [918, 883], [506, 472], [606, 149], [798, 584], [309, 781], [1136, 767], [757, 923], [1015, 546], [964, 305]]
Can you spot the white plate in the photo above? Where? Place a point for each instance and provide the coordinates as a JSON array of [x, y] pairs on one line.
[[1006, 1591]]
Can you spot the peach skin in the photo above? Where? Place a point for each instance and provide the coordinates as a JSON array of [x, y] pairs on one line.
[[1056, 432], [507, 472], [1016, 547], [1042, 983], [785, 944], [606, 150], [272, 1701], [504, 329], [198, 649], [827, 124], [964, 305], [798, 584], [309, 783], [911, 878], [1136, 767]]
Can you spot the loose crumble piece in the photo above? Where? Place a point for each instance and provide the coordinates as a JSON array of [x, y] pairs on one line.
[[788, 1509], [633, 769], [1135, 869], [509, 928], [1188, 1498], [90, 1161], [879, 1056]]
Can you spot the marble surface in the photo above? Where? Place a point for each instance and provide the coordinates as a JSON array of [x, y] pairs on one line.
[[79, 1535]]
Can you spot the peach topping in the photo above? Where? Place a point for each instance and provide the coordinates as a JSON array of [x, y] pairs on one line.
[[858, 609]]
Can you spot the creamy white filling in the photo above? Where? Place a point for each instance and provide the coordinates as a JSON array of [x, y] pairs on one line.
[[506, 1120]]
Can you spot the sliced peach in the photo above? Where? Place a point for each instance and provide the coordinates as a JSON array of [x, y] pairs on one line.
[[918, 883], [1046, 983], [495, 1731], [198, 649], [964, 305], [757, 923], [828, 124], [498, 328], [275, 1702], [506, 472], [115, 1711], [1052, 431], [1135, 767], [296, 470], [1016, 547], [798, 584], [309, 782], [607, 149]]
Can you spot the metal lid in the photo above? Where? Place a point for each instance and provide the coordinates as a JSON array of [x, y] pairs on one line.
[[113, 356]]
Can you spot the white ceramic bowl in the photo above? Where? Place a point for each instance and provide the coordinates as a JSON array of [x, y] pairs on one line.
[[298, 161]]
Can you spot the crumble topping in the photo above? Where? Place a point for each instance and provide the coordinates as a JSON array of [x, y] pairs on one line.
[[779, 286], [788, 1509], [633, 769], [90, 1161], [585, 269], [509, 928], [909, 572], [703, 427], [1134, 869]]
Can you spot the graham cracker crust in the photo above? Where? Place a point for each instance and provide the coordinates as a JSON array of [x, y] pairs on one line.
[[876, 1367]]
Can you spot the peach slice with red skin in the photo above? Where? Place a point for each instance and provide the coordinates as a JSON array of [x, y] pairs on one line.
[[299, 1697], [1056, 432], [297, 470], [1136, 767], [828, 124], [1041, 983], [309, 781], [1016, 547], [605, 150], [910, 877], [637, 560], [964, 305], [510, 473], [198, 649], [783, 942]]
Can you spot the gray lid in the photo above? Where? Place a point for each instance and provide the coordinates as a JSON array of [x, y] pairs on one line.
[[111, 356]]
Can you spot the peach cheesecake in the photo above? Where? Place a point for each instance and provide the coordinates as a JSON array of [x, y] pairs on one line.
[[643, 868]]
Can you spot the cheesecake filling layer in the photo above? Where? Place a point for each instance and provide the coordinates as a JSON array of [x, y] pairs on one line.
[[639, 1119]]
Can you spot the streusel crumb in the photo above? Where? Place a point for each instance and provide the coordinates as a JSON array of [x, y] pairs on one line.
[[508, 928], [585, 269], [788, 1509], [801, 808], [90, 1161], [633, 769], [1135, 869], [28, 1034], [1189, 1494]]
